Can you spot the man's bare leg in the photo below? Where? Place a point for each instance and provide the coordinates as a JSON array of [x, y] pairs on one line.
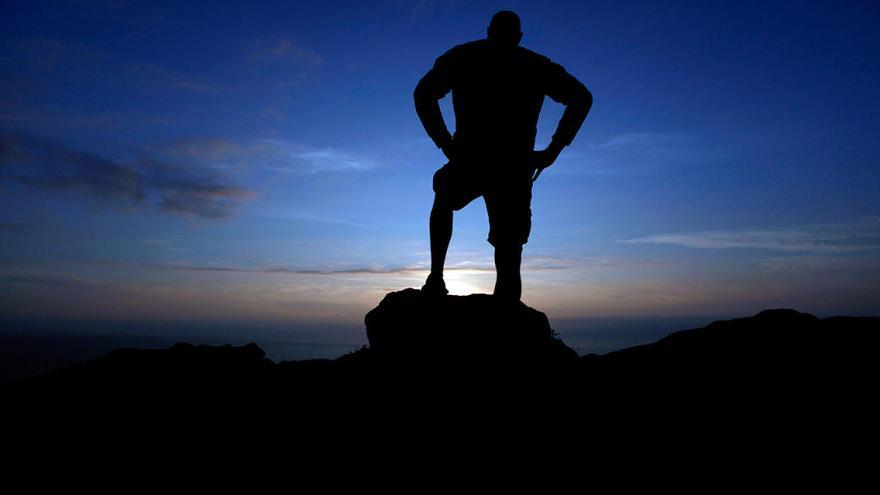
[[508, 282], [441, 234]]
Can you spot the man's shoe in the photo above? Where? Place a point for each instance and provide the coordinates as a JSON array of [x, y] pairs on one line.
[[435, 288]]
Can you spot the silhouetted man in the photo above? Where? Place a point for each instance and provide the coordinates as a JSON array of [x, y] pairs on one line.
[[497, 89]]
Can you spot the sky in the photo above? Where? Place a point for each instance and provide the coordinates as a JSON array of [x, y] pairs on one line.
[[263, 162]]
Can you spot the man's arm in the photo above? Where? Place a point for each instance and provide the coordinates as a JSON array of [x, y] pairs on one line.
[[564, 88], [431, 88]]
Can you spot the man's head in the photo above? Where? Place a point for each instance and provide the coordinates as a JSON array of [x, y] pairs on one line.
[[504, 28]]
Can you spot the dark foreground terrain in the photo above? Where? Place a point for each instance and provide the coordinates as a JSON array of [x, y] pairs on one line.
[[473, 366]]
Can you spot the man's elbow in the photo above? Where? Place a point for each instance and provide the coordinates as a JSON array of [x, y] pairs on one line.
[[584, 99], [422, 95]]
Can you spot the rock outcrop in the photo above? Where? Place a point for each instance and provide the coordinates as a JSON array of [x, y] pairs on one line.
[[478, 329]]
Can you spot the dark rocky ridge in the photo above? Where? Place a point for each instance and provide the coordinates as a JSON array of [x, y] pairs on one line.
[[444, 361]]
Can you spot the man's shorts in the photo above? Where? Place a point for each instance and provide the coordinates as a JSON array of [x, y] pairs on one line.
[[505, 186]]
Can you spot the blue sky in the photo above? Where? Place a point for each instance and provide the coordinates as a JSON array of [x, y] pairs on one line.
[[263, 161]]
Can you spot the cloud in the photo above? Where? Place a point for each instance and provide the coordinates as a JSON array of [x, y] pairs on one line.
[[367, 270], [52, 280], [163, 245], [324, 219], [535, 264], [40, 57], [282, 49], [46, 164], [51, 56], [161, 77], [637, 152], [122, 11], [530, 264], [183, 192], [419, 9], [821, 263], [328, 160], [277, 155], [825, 238], [201, 150], [286, 156]]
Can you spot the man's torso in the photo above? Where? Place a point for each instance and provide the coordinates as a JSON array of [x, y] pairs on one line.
[[497, 94]]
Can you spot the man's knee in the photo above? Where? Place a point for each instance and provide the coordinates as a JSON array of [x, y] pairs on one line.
[[507, 248], [508, 239], [440, 181]]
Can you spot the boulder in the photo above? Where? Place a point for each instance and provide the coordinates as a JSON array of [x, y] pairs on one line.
[[476, 329]]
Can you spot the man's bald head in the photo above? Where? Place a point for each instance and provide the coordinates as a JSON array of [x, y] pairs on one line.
[[504, 28]]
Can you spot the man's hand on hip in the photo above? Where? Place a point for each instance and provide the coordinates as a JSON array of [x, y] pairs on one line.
[[542, 159]]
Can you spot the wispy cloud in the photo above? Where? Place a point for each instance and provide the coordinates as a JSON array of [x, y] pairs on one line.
[[286, 156], [279, 155], [53, 280], [821, 263], [201, 150], [328, 159], [530, 264], [425, 8], [325, 220], [535, 264], [160, 77], [636, 152], [43, 57], [166, 245], [142, 180], [52, 56], [363, 270], [122, 11], [282, 49], [825, 238]]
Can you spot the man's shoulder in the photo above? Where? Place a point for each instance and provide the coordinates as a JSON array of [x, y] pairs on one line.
[[483, 47], [534, 57], [465, 49]]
